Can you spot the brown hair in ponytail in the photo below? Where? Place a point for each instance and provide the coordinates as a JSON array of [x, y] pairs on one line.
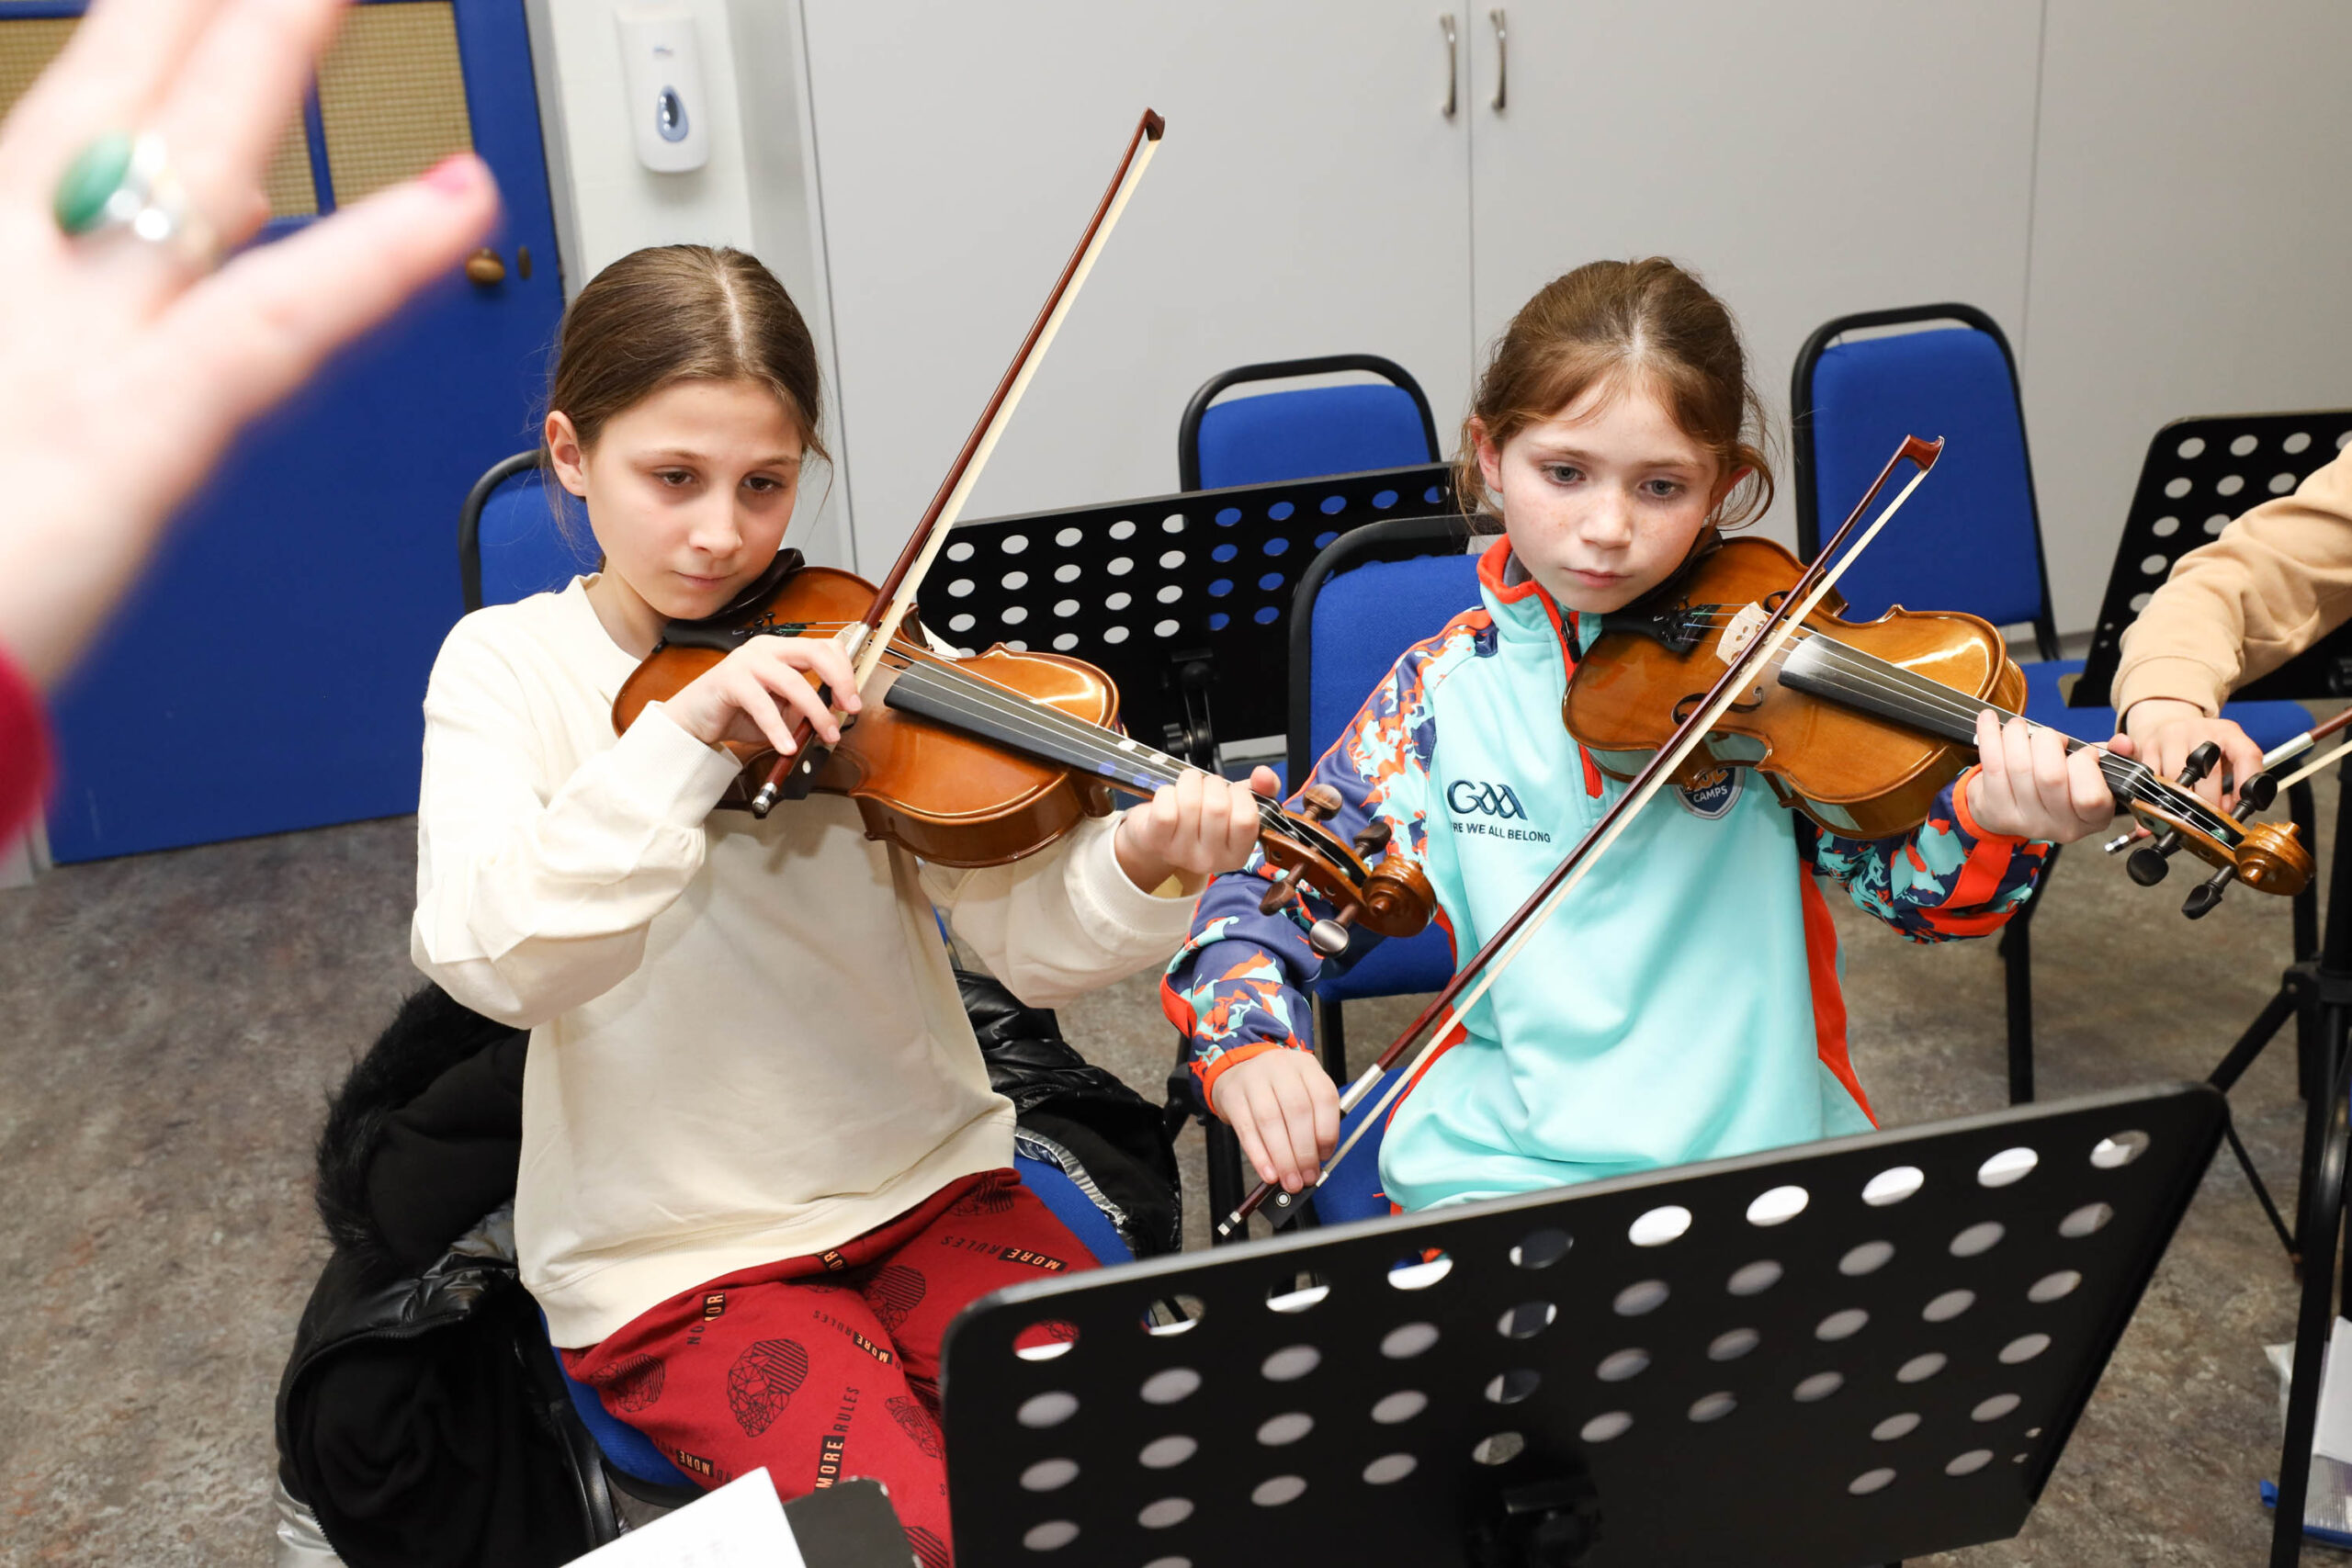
[[1614, 322], [682, 313]]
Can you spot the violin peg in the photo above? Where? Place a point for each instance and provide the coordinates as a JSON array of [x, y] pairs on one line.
[[2259, 793], [1374, 838], [1328, 938], [2201, 762], [2147, 866], [2206, 896], [1278, 893], [1319, 803]]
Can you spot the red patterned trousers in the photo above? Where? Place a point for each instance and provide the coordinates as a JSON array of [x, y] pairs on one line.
[[826, 1368]]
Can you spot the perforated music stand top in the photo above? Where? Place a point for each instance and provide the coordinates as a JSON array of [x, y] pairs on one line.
[[1129, 585], [1871, 1377], [2198, 474]]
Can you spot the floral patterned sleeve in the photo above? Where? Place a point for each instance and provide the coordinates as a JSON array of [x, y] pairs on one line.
[[1946, 878], [1240, 985]]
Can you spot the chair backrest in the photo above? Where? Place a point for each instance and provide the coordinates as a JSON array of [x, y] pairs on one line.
[[510, 545], [1971, 539], [1372, 594], [1306, 432]]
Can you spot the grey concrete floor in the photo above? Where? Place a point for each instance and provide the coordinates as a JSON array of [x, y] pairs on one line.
[[170, 1023]]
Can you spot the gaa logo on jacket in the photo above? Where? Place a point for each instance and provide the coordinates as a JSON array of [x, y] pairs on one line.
[[1468, 797]]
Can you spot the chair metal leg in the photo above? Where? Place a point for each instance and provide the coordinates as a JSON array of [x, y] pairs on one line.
[[591, 1491], [1226, 1178], [1331, 1030], [2323, 1217], [2016, 976], [2017, 956], [2300, 811]]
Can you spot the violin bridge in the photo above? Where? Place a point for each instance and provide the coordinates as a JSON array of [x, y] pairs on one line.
[[1741, 632]]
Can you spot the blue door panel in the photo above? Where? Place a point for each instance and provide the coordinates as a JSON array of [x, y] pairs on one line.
[[267, 672]]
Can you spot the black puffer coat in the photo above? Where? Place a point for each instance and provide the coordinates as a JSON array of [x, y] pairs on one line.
[[419, 1418]]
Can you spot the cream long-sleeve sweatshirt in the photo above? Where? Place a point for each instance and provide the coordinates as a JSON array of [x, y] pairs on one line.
[[2277, 581], [746, 1041]]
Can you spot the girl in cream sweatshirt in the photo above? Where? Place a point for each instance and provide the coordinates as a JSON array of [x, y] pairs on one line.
[[762, 1165]]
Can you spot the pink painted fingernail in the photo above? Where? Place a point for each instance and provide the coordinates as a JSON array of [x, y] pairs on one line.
[[453, 176]]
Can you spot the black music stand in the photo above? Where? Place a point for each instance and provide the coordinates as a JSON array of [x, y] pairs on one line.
[[1824, 1356], [2200, 473], [1179, 598]]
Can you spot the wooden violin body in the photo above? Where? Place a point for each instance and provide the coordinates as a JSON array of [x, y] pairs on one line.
[[982, 759], [1858, 724], [945, 796], [1848, 769]]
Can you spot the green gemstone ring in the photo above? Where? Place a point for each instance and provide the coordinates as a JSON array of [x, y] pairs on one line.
[[125, 184]]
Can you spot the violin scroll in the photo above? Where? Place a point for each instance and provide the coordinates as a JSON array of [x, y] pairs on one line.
[[2272, 857], [1389, 897], [2266, 857]]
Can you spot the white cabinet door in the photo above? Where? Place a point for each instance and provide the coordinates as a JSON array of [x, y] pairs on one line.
[[1311, 198], [2190, 230], [1808, 158]]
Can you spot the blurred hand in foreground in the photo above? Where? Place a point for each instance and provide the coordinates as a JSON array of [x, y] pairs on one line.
[[126, 366]]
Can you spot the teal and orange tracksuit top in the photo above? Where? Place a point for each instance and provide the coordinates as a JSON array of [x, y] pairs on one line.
[[1683, 1004]]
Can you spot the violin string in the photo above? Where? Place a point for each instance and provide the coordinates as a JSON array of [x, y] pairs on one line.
[[1932, 701], [1037, 717], [1098, 742], [1040, 724]]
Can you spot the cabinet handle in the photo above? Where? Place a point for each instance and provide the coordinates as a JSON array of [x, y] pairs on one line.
[[1502, 58], [1453, 63]]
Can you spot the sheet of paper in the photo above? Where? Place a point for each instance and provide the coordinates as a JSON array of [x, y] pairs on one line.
[[2332, 1437], [742, 1525]]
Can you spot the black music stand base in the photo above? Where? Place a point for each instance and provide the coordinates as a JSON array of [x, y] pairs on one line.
[[1835, 1356], [2315, 992]]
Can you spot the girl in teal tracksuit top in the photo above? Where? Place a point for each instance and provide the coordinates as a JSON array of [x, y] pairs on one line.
[[1683, 1003]]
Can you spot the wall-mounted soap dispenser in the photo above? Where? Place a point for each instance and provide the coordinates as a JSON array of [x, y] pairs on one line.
[[661, 71]]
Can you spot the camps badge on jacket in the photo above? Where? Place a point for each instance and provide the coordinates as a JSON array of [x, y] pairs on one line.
[[1714, 797]]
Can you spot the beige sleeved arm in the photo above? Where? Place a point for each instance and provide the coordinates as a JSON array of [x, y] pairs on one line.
[[533, 895], [1062, 921], [2277, 581]]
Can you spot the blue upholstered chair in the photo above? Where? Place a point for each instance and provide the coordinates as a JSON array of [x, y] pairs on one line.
[[1971, 539], [1371, 595], [1307, 430], [1266, 437], [510, 544]]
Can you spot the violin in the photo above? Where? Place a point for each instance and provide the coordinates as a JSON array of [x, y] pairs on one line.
[[982, 759], [1857, 723]]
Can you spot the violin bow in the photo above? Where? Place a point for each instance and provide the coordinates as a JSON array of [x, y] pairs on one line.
[[1487, 966], [796, 772]]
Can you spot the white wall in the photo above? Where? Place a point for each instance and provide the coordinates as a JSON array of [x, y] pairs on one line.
[[749, 195], [2192, 243], [2184, 253]]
